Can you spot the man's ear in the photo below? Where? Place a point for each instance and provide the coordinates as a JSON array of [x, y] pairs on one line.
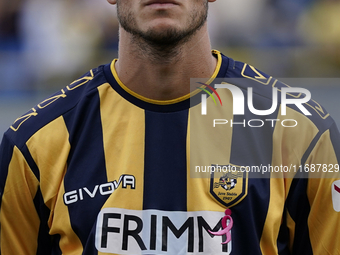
[[112, 1]]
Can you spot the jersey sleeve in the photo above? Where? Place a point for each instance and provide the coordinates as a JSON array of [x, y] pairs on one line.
[[18, 215], [313, 213]]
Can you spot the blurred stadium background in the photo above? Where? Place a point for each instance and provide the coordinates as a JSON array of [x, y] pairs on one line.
[[46, 44]]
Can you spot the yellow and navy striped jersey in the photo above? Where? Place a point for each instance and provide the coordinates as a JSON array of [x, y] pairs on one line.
[[99, 169]]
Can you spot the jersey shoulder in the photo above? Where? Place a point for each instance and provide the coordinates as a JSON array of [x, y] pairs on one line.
[[263, 86], [56, 105]]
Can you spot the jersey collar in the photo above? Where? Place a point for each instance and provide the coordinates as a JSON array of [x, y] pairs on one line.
[[176, 104]]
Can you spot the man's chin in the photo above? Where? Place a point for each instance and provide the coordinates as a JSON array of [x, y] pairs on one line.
[[164, 37]]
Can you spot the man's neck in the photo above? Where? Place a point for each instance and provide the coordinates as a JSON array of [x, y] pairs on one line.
[[164, 75]]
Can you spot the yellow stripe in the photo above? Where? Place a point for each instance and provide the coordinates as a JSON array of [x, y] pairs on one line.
[[19, 220], [271, 228], [290, 222], [286, 151], [207, 145], [123, 132], [52, 165], [61, 224], [284, 154], [323, 221], [166, 102], [52, 168]]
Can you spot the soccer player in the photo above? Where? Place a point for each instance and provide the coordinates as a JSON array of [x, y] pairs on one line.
[[128, 159]]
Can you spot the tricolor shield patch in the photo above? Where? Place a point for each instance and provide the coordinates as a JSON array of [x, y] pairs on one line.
[[228, 184]]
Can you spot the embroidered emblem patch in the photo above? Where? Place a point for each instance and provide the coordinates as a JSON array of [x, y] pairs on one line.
[[228, 184]]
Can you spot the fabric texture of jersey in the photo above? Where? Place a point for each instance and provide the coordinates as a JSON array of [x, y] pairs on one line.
[[99, 169]]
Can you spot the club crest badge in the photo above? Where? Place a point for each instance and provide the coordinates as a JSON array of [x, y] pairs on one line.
[[228, 184]]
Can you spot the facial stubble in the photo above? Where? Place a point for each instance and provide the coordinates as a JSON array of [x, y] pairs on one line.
[[165, 44]]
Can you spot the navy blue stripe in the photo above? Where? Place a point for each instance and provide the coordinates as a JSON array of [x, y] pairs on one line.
[[165, 170], [30, 161], [6, 152], [90, 248], [249, 216], [86, 163], [298, 196], [46, 243], [335, 138], [55, 245], [282, 244]]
